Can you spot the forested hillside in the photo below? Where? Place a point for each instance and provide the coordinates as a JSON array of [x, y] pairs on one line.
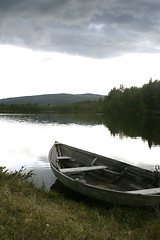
[[51, 99]]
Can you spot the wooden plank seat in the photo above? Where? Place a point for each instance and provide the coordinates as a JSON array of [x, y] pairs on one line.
[[81, 169], [63, 158], [149, 191]]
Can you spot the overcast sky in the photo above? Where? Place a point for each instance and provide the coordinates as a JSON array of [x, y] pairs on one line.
[[77, 46]]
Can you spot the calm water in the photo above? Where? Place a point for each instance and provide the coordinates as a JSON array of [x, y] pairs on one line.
[[26, 140]]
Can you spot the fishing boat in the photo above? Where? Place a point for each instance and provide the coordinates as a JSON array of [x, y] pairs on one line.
[[104, 178]]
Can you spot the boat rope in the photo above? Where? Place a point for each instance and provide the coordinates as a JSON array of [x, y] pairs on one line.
[[157, 168], [157, 175]]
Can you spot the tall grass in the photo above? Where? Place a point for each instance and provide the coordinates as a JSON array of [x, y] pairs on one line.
[[32, 214]]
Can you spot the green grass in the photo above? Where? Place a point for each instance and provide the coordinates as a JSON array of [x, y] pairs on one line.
[[30, 213]]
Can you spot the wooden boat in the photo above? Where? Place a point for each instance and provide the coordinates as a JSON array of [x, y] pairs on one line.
[[104, 178]]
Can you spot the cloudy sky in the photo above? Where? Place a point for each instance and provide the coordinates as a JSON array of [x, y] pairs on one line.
[[77, 46]]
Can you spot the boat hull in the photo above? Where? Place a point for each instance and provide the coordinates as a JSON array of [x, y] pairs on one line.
[[97, 192]]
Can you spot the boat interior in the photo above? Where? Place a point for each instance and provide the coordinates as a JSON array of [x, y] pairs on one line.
[[99, 171]]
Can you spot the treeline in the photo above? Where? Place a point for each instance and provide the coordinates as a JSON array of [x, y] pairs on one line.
[[24, 108], [78, 107], [132, 100]]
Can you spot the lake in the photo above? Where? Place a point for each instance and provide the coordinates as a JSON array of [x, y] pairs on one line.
[[27, 138]]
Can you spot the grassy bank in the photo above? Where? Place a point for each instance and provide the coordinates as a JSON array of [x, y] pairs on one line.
[[30, 213]]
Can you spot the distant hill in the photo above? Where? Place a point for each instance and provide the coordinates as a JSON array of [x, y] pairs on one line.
[[51, 99]]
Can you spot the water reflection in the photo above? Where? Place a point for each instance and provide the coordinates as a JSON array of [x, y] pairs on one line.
[[27, 138], [42, 177], [146, 127], [53, 118], [135, 126]]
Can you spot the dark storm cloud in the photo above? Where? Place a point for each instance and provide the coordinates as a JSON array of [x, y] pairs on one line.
[[100, 29]]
